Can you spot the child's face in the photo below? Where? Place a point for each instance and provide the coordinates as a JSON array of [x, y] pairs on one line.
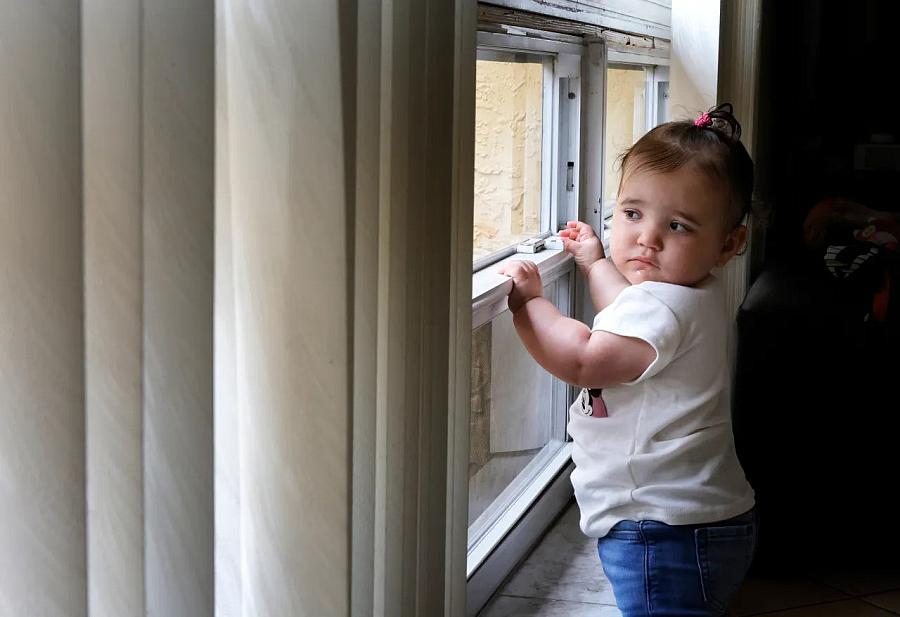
[[672, 227]]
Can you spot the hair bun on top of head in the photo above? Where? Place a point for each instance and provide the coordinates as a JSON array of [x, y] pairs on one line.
[[721, 119]]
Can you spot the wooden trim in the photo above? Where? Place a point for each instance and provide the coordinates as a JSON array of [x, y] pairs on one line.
[[370, 101], [738, 80], [619, 54], [415, 324], [496, 40], [739, 37], [459, 353], [586, 17]]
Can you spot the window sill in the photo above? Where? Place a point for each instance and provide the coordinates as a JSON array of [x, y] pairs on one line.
[[490, 289]]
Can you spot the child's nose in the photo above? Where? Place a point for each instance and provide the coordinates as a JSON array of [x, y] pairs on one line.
[[649, 237]]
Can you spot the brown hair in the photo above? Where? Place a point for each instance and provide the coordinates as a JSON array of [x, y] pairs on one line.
[[711, 143]]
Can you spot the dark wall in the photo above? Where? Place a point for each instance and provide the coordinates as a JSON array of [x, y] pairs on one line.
[[828, 74], [816, 392]]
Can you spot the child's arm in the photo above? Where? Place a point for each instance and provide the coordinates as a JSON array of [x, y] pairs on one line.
[[604, 280], [566, 347]]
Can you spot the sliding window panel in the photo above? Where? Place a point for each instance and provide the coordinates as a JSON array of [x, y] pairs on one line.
[[511, 158], [517, 425]]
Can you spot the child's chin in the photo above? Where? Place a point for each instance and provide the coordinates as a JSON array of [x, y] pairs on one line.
[[643, 275]]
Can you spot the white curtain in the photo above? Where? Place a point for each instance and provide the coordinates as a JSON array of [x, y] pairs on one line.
[[229, 358]]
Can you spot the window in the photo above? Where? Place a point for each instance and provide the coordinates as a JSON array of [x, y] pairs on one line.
[[636, 101], [512, 96], [527, 106], [625, 119], [513, 436], [529, 118]]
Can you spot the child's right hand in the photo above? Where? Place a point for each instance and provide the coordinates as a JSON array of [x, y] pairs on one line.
[[582, 243], [526, 283]]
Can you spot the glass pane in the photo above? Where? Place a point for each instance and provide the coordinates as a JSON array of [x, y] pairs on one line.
[[508, 138], [511, 431], [625, 123]]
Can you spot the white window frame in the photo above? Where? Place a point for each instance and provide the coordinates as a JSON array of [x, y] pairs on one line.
[[561, 61], [528, 485], [532, 498]]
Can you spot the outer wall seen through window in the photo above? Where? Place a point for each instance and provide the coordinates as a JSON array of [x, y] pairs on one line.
[[625, 122], [508, 138]]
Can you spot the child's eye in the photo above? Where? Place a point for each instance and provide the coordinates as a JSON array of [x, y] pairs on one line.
[[632, 215], [679, 227]]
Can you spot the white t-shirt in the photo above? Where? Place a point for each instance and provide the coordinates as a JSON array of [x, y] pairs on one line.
[[665, 451]]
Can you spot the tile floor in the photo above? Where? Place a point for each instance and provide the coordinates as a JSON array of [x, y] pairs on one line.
[[562, 578]]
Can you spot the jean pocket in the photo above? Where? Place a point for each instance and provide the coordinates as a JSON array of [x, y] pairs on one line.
[[623, 535], [625, 531], [724, 555]]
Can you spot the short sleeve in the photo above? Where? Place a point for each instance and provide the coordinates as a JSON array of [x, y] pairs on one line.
[[637, 313]]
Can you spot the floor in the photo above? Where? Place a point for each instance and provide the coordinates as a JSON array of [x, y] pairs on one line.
[[562, 578]]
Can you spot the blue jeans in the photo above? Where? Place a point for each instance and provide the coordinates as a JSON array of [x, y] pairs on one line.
[[658, 569]]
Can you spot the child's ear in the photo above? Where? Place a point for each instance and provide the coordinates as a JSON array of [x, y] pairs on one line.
[[734, 242]]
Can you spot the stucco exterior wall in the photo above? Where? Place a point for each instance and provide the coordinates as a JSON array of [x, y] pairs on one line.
[[622, 127], [508, 136]]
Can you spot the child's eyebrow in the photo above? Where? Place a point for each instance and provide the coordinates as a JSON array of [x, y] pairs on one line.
[[628, 201], [690, 220]]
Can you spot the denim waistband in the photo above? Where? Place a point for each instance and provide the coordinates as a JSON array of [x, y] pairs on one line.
[[748, 517]]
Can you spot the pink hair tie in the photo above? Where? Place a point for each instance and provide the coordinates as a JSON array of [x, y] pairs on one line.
[[703, 120]]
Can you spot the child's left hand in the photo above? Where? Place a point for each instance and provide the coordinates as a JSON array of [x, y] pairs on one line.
[[526, 283]]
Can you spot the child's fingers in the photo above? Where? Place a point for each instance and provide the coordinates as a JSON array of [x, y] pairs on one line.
[[574, 233], [516, 268], [586, 233], [525, 268], [577, 230]]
